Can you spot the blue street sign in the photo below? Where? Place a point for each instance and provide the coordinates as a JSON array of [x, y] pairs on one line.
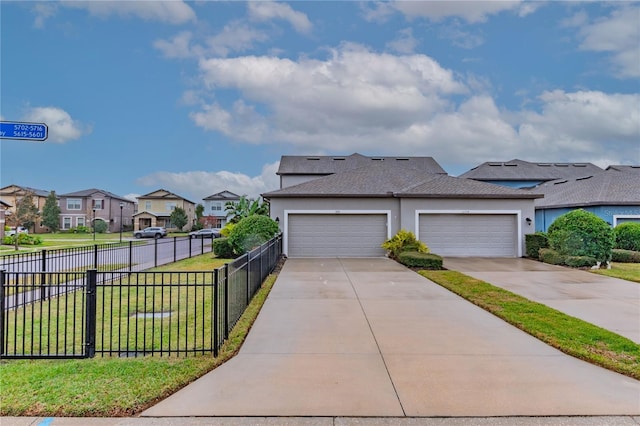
[[24, 131]]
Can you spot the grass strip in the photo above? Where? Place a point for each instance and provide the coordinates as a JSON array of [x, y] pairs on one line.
[[625, 271], [568, 334], [111, 387]]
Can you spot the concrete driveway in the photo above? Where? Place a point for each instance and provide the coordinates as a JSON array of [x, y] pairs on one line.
[[368, 337], [610, 303]]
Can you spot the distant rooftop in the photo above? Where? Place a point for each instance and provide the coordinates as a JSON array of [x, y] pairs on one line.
[[515, 170], [625, 168]]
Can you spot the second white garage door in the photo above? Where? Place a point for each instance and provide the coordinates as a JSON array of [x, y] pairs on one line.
[[485, 235], [334, 235]]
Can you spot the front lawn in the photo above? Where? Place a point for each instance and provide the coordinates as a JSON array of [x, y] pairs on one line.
[[107, 387], [625, 271]]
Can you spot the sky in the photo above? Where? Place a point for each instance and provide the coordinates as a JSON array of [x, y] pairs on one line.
[[199, 97]]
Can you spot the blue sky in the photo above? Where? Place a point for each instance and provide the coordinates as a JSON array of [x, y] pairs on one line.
[[205, 96]]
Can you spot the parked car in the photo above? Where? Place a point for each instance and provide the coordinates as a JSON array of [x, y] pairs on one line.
[[151, 232], [205, 233], [13, 231]]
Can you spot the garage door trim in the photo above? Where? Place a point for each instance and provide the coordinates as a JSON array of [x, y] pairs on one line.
[[285, 242], [517, 213]]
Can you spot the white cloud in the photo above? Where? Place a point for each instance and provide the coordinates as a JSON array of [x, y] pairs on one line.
[[178, 47], [235, 37], [405, 43], [43, 11], [471, 11], [196, 185], [618, 34], [269, 10], [460, 37], [61, 127], [168, 11]]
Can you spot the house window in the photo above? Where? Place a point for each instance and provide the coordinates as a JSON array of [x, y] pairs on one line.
[[170, 206], [147, 206], [216, 207], [66, 223], [74, 204], [80, 221], [98, 204]]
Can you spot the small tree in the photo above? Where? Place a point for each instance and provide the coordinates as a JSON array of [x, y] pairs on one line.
[[581, 233], [51, 212], [179, 217], [27, 212], [252, 231]]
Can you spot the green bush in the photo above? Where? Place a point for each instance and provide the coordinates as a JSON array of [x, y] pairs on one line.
[[251, 232], [80, 230], [625, 256], [23, 240], [416, 259], [222, 248], [580, 261], [100, 226], [581, 233], [403, 241], [628, 236], [535, 242], [551, 256]]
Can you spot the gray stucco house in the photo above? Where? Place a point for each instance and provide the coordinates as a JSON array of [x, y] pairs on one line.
[[348, 206]]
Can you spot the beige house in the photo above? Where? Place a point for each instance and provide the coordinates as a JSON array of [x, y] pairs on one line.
[[13, 194], [155, 208]]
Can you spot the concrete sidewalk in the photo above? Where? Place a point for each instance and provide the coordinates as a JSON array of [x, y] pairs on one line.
[[610, 303], [369, 338]]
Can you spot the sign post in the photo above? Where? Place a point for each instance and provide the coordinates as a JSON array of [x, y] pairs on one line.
[[23, 131]]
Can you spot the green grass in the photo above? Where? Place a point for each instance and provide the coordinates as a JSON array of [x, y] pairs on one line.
[[570, 335], [114, 386], [625, 271]]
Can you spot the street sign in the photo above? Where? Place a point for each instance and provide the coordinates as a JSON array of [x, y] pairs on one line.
[[23, 130]]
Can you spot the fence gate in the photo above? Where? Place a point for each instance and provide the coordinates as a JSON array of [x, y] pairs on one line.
[[47, 315]]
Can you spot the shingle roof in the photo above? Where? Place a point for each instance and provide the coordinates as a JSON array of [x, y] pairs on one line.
[[90, 192], [163, 194], [524, 170], [383, 180], [611, 187], [625, 168], [326, 165], [37, 192], [224, 195]]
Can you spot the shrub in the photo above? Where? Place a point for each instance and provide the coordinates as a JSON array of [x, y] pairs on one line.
[[81, 230], [535, 242], [625, 256], [551, 256], [222, 248], [404, 240], [581, 233], [23, 240], [416, 259], [100, 226], [580, 261], [628, 236], [251, 232]]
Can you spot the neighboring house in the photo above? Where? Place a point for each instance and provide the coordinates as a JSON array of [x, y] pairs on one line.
[[613, 195], [12, 194], [352, 212], [215, 215], [81, 208], [3, 208], [155, 208], [523, 174], [298, 169]]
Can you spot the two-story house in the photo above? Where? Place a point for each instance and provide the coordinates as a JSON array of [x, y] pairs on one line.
[[155, 208], [11, 195], [81, 208], [214, 215]]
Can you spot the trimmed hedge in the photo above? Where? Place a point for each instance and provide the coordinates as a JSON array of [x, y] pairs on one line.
[[404, 241], [625, 256], [580, 261], [628, 236], [222, 248], [582, 233], [416, 259], [551, 256], [251, 232], [535, 242]]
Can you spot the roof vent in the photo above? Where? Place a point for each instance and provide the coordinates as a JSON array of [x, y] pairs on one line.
[[560, 182], [402, 159], [313, 158], [579, 165], [510, 164], [339, 159], [544, 164], [584, 178], [377, 159], [495, 164], [561, 165]]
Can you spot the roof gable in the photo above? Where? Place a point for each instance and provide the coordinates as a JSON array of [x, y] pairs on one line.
[[224, 195], [17, 189], [163, 194], [92, 193]]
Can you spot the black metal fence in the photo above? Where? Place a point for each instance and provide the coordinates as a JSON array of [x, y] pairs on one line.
[[131, 256], [128, 313]]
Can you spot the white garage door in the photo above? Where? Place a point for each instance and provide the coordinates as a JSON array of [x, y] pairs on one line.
[[485, 235], [333, 235]]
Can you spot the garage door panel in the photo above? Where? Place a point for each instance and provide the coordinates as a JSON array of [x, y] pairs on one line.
[[484, 235], [331, 235]]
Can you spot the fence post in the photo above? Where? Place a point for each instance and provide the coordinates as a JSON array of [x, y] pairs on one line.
[[175, 249], [190, 239], [43, 265], [155, 252], [95, 256], [90, 314], [226, 301], [215, 310], [43, 276], [130, 256], [248, 278], [2, 280]]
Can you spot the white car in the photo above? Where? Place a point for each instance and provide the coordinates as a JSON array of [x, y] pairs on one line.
[[20, 230]]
